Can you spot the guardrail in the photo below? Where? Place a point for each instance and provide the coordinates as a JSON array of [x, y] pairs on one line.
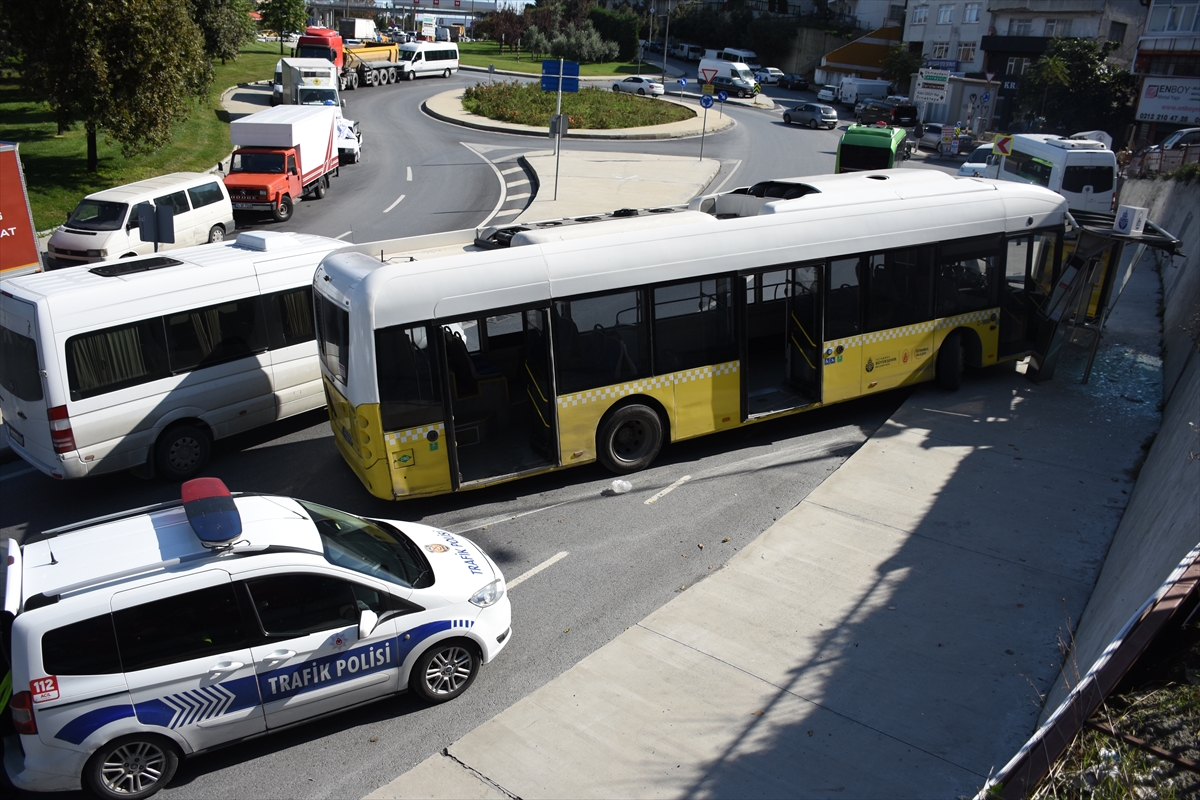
[[1157, 162]]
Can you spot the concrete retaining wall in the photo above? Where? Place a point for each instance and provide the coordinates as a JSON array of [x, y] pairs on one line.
[[1159, 526]]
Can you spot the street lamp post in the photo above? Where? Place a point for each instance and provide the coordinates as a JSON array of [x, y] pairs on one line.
[[666, 43]]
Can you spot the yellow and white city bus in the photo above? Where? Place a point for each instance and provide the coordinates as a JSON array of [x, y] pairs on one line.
[[464, 359]]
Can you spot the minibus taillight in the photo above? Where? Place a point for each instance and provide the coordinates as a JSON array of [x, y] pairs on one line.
[[61, 435], [22, 713]]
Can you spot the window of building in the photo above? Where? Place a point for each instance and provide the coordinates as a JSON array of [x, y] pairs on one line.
[[940, 50], [1058, 27], [920, 15], [180, 628], [945, 14], [966, 51], [1116, 31], [971, 12], [1173, 17], [1017, 65], [1020, 27]]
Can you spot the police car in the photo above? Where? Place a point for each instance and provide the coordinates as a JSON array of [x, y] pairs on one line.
[[144, 637]]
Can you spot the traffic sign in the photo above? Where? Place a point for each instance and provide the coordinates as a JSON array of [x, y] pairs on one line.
[[990, 75], [931, 86], [707, 75], [987, 97], [722, 96], [706, 100], [1002, 146], [683, 81], [550, 76]]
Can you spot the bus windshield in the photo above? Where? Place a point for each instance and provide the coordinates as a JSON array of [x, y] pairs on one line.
[[98, 215]]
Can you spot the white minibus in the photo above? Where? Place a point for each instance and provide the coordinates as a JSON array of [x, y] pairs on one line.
[[142, 363], [1081, 170], [105, 225], [418, 59]]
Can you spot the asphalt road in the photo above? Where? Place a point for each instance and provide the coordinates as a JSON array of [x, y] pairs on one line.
[[607, 560]]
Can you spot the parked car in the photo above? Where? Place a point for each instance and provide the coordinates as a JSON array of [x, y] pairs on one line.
[[734, 87], [814, 115], [792, 80], [931, 138], [976, 165], [637, 85], [891, 112], [768, 75], [1188, 137], [828, 93]]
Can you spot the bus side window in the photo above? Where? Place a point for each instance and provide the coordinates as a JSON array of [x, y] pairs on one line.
[[842, 303], [900, 288], [693, 325], [600, 340], [409, 390], [966, 275]]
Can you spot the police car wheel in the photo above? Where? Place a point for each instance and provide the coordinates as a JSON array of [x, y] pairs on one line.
[[182, 452], [131, 767], [444, 671], [629, 440]]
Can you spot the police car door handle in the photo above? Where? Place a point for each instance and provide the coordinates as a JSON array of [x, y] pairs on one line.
[[280, 655], [225, 666]]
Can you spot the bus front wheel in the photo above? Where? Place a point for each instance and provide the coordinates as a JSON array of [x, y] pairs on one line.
[[629, 440], [951, 359]]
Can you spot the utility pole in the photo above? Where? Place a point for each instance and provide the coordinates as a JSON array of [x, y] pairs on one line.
[[666, 43]]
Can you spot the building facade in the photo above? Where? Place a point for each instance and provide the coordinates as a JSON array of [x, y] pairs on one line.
[[1168, 62]]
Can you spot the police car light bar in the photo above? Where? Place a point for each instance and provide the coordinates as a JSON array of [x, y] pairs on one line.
[[211, 511]]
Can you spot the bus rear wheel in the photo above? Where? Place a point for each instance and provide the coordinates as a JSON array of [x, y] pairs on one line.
[[630, 439], [951, 360]]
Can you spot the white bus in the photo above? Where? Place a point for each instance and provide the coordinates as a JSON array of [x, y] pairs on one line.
[[1081, 170], [468, 358], [141, 363]]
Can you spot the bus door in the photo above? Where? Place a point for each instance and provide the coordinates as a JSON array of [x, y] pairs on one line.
[[1028, 276], [500, 396], [781, 350]]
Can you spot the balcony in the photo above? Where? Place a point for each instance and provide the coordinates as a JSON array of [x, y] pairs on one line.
[[1034, 45], [1049, 7]]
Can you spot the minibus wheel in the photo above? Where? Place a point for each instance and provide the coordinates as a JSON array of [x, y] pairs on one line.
[[629, 439], [131, 767], [182, 451], [216, 234], [410, 74], [446, 74], [444, 671]]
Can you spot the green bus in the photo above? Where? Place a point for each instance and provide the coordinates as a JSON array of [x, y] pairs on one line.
[[866, 147]]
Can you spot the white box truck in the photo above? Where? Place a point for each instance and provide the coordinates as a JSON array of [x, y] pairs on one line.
[[363, 29], [314, 82], [281, 155], [852, 90]]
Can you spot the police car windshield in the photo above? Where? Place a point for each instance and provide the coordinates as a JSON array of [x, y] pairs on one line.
[[372, 548]]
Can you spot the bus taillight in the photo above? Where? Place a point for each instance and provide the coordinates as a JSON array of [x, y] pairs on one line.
[[61, 435]]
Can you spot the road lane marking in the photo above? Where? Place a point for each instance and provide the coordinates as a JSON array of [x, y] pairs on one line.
[[499, 177], [518, 196], [511, 170], [409, 173], [669, 489], [347, 233], [510, 517], [549, 562], [17, 473], [736, 163], [393, 205]]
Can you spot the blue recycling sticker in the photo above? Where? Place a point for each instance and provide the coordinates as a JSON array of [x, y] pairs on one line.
[[706, 100]]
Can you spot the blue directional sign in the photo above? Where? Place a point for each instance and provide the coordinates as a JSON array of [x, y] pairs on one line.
[[706, 100], [683, 81], [722, 96], [987, 97], [570, 75]]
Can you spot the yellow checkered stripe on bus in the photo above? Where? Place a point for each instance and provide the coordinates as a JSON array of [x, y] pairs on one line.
[[973, 318], [413, 434], [608, 393]]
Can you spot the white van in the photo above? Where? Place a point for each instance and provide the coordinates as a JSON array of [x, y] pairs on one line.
[[418, 59], [142, 363], [1081, 170], [105, 224], [710, 68], [747, 57]]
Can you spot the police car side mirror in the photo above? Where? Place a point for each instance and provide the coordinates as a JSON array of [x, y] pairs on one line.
[[366, 623]]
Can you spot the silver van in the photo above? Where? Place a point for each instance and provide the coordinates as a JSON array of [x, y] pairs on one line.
[[105, 225]]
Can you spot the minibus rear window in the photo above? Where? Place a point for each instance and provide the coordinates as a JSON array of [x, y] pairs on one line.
[[1099, 178], [19, 366]]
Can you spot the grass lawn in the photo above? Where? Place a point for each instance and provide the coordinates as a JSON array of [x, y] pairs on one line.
[[56, 166], [481, 54], [526, 104]]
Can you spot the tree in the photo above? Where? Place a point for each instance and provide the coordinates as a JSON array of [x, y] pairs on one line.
[[899, 65], [284, 17], [129, 67], [620, 28], [1076, 88], [226, 26], [535, 42], [583, 44]]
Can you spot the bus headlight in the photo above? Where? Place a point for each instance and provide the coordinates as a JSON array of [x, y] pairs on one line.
[[489, 595]]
